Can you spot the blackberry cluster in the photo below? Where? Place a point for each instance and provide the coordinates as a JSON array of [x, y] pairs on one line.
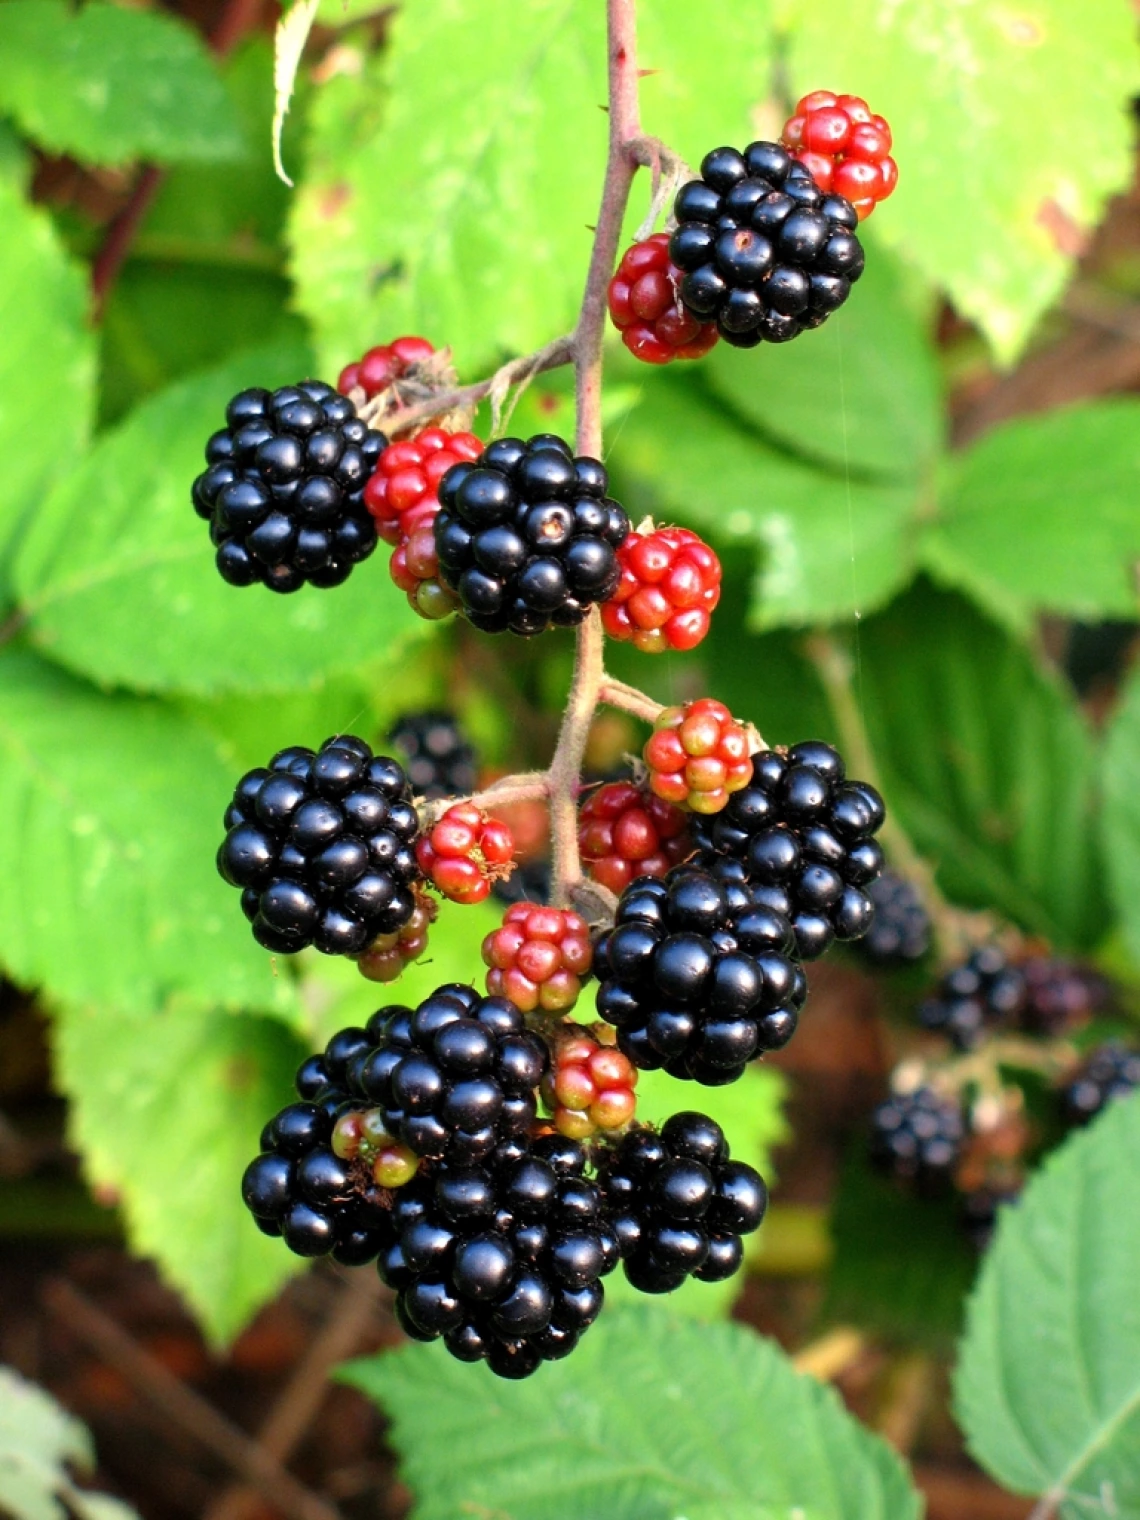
[[766, 253], [900, 929], [283, 487], [1109, 1071], [526, 535], [503, 1260], [679, 1204], [697, 977], [917, 1137], [322, 846], [437, 757], [455, 1078], [985, 991], [800, 835]]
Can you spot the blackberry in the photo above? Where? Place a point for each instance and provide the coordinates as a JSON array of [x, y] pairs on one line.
[[917, 1137], [900, 929], [503, 1260], [1061, 995], [454, 1078], [526, 535], [1109, 1071], [322, 846], [679, 1204], [766, 253], [978, 995], [435, 753], [283, 487], [803, 833], [696, 977]]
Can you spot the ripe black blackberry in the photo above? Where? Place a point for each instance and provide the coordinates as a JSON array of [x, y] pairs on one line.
[[679, 1203], [526, 535], [283, 487], [982, 993], [917, 1137], [435, 753], [454, 1078], [697, 978], [1061, 995], [503, 1260], [803, 833], [322, 846], [900, 929], [766, 252], [1109, 1071]]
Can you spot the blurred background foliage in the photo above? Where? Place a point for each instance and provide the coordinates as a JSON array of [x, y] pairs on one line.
[[946, 479]]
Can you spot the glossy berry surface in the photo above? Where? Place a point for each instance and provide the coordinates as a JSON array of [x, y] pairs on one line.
[[590, 1087], [801, 837], [697, 756], [846, 149], [1109, 1071], [669, 587], [624, 831], [646, 307], [917, 1136], [982, 993], [383, 365], [283, 487], [439, 759], [526, 536], [454, 1077], [538, 957], [389, 955], [766, 252], [900, 929], [465, 852], [696, 978], [680, 1205], [322, 846]]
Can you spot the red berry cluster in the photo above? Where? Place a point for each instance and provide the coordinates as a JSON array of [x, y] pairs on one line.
[[625, 832], [382, 365], [465, 853], [589, 1088], [538, 957], [697, 756], [646, 307], [670, 584], [388, 954], [846, 149]]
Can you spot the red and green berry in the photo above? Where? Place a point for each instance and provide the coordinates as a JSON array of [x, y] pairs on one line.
[[698, 756], [465, 853], [670, 584], [538, 957]]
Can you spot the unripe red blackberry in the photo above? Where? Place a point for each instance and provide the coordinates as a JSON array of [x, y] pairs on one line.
[[439, 759], [983, 993], [538, 957], [697, 756], [625, 831], [589, 1087], [465, 852], [845, 148], [383, 365], [646, 308], [670, 584]]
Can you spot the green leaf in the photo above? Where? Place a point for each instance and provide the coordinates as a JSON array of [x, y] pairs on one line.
[[1048, 1380], [650, 1416], [129, 594], [1120, 822], [988, 762], [861, 394], [47, 358], [107, 84], [1040, 516], [994, 194], [39, 1441], [166, 1107], [830, 546], [110, 814]]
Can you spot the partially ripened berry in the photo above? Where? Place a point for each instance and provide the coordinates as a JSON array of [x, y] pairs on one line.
[[800, 835], [900, 929], [697, 978], [1109, 1071], [590, 1086], [323, 848], [680, 1204], [465, 852], [917, 1136], [538, 957], [846, 150], [436, 754], [283, 487], [670, 584], [383, 365], [766, 252], [526, 535], [454, 1077], [389, 954], [982, 993], [646, 308], [697, 756], [1061, 995], [624, 831]]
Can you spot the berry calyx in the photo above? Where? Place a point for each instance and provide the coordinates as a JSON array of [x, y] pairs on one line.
[[670, 584], [387, 956], [646, 308], [465, 853], [538, 957], [845, 148], [698, 756], [590, 1087], [383, 365], [625, 831]]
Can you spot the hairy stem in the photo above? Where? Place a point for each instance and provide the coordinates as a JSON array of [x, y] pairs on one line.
[[566, 766], [614, 693], [551, 356]]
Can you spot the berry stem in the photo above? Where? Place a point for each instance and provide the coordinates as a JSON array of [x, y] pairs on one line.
[[531, 786], [615, 693], [551, 356], [566, 764]]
